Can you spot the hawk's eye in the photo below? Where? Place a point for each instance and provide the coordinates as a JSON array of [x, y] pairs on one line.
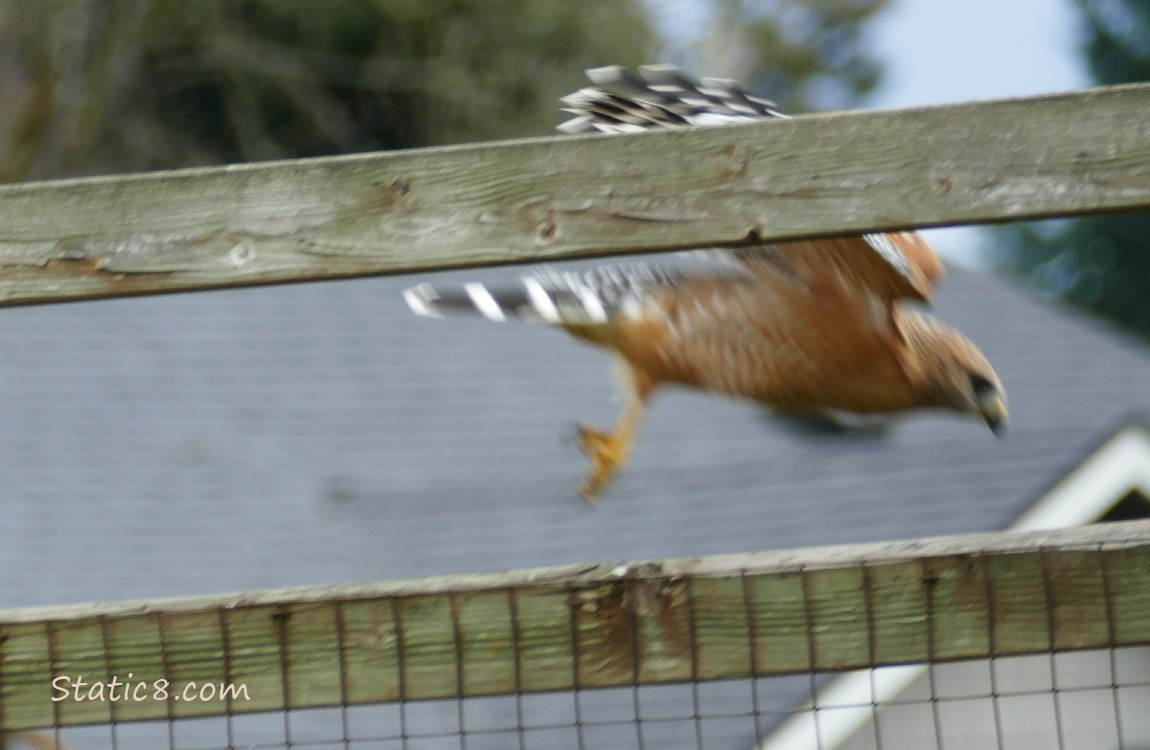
[[980, 385]]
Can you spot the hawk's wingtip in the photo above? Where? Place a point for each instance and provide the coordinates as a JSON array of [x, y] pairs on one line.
[[605, 75]]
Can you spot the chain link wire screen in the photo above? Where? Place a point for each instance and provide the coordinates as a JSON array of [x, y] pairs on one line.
[[1033, 640], [1086, 700]]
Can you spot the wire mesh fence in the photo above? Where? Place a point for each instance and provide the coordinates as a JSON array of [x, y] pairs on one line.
[[1078, 701], [1002, 641]]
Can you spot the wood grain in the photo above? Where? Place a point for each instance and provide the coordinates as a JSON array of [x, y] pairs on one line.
[[722, 617], [567, 197]]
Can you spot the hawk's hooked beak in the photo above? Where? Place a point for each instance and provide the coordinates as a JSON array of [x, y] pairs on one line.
[[992, 406]]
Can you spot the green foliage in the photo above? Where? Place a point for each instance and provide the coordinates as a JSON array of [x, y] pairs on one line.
[[1117, 45], [145, 84], [1101, 263], [91, 86]]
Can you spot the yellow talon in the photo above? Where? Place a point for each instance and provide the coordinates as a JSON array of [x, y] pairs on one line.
[[606, 452]]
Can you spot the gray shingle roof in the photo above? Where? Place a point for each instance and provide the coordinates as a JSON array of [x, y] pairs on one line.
[[321, 433]]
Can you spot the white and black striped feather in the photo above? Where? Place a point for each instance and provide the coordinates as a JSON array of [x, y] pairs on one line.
[[559, 297], [660, 96]]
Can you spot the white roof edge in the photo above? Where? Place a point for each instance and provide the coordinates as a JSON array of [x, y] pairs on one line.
[[1091, 488], [1120, 465]]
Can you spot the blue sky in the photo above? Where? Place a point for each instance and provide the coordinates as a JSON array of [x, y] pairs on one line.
[[940, 52]]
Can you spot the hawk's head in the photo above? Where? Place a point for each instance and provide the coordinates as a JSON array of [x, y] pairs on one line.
[[956, 374]]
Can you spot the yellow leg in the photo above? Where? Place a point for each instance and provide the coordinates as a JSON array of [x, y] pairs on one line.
[[608, 451]]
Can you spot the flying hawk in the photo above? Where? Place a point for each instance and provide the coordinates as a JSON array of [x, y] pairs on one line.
[[803, 327]]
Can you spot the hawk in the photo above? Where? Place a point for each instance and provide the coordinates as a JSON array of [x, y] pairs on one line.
[[809, 327]]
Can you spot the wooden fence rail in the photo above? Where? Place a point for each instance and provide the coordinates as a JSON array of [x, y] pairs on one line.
[[565, 197], [564, 628]]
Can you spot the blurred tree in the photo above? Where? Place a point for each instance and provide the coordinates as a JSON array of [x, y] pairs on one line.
[[1099, 262], [98, 86], [806, 55], [95, 86]]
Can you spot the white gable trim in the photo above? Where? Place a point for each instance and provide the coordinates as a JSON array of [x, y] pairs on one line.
[[1083, 496], [1122, 464]]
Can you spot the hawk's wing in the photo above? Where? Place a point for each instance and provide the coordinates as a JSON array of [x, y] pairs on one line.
[[889, 265]]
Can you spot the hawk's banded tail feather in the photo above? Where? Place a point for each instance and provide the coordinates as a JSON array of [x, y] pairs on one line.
[[530, 300], [465, 299], [555, 297], [660, 96]]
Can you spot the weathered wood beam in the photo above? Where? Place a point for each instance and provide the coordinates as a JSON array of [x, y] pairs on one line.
[[566, 197], [562, 628]]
